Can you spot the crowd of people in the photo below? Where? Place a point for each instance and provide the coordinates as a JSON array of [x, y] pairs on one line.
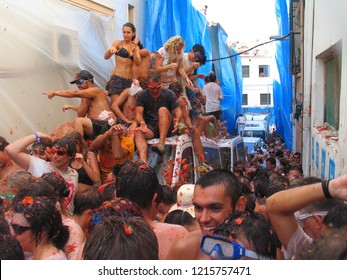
[[80, 192]]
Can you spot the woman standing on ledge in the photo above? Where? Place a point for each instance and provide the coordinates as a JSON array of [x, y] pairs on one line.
[[126, 53]]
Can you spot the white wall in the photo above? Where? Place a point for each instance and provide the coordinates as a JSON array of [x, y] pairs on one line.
[[329, 26], [31, 61], [254, 85]]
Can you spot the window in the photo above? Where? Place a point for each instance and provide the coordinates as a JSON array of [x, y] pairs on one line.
[[332, 78], [131, 13], [245, 71], [104, 7], [244, 99], [265, 99], [264, 71]]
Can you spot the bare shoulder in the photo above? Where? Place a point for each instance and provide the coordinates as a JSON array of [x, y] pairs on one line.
[[186, 248], [170, 229]]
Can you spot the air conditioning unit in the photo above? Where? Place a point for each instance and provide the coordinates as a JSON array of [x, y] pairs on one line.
[[65, 46]]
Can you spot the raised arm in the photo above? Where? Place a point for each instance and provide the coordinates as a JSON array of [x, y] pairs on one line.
[[282, 205], [112, 50], [17, 150], [70, 93]]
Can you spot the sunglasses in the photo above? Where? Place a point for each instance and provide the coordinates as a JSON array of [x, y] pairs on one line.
[[154, 88], [225, 249], [296, 157], [58, 152], [197, 56], [80, 82], [39, 151], [18, 229]]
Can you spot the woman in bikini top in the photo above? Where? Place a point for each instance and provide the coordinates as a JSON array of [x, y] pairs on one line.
[[124, 53]]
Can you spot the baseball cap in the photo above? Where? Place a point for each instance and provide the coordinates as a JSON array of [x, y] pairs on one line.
[[185, 199], [82, 75]]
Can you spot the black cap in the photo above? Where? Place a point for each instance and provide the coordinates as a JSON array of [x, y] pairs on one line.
[[82, 75]]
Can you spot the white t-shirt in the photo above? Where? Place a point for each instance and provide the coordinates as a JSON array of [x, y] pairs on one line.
[[39, 166], [298, 241], [170, 75], [213, 93]]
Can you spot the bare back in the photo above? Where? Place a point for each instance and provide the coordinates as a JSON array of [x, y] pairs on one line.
[[167, 235], [188, 248]]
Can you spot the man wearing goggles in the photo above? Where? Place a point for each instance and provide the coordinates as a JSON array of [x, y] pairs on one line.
[[242, 235], [221, 248], [216, 195], [62, 152], [93, 103], [154, 109], [312, 202]]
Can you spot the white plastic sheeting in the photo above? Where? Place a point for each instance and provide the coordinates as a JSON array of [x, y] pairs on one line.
[[43, 44]]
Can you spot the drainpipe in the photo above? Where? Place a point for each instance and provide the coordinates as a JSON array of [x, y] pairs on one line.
[[307, 86]]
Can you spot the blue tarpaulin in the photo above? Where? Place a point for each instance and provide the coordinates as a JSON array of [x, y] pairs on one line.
[[282, 89], [169, 18]]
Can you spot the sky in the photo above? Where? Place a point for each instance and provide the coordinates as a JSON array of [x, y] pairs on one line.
[[244, 21]]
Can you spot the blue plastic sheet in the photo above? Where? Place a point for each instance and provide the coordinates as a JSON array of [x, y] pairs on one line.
[[282, 89], [169, 18]]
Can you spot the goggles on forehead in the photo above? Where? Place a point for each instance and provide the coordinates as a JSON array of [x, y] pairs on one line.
[[217, 246], [307, 215]]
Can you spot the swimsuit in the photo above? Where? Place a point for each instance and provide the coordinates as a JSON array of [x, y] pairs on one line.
[[124, 53]]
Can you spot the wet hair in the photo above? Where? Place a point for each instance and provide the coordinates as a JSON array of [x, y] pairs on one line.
[[3, 143], [66, 143], [180, 217], [108, 192], [77, 137], [44, 220], [177, 88], [171, 45], [254, 227], [19, 179], [39, 188], [87, 200], [121, 238], [154, 76], [199, 48], [337, 216], [131, 25], [169, 195], [10, 248], [57, 183], [138, 182], [119, 207], [222, 177], [213, 78]]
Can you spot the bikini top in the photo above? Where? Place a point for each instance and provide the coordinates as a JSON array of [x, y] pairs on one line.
[[124, 53]]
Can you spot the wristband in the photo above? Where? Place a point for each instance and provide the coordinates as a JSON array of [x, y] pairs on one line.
[[37, 137], [325, 187]]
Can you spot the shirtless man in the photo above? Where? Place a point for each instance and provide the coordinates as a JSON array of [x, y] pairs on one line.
[[216, 195], [98, 103], [138, 182]]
